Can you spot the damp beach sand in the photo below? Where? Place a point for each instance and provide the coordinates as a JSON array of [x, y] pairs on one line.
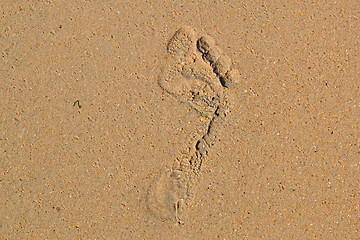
[[179, 120]]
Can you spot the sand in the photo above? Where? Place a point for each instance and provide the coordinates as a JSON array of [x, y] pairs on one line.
[[111, 129]]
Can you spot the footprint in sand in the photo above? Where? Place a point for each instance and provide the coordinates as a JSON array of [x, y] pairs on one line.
[[198, 74]]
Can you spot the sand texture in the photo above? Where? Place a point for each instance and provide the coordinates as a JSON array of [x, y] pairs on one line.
[[180, 119]]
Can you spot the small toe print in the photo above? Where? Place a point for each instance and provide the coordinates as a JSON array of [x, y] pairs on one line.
[[222, 65], [231, 78], [213, 54], [205, 43]]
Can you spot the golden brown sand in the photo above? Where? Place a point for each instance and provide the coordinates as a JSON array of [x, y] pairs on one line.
[[92, 146]]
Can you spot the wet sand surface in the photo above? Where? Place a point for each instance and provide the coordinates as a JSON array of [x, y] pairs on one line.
[[119, 121]]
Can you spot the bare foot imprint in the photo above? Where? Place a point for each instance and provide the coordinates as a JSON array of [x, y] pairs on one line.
[[198, 74]]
